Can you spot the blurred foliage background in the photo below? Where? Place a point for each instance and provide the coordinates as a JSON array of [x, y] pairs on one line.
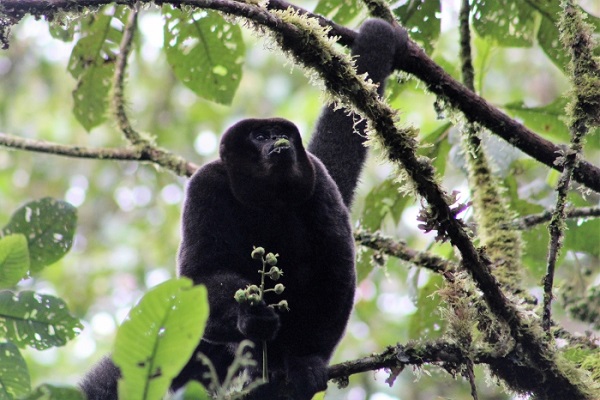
[[128, 213]]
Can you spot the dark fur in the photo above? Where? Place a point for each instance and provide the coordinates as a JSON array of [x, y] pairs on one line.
[[287, 202]]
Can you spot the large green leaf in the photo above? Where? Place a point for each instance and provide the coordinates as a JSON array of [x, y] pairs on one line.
[[92, 63], [158, 338], [205, 51], [381, 201], [14, 375], [548, 35], [341, 11], [49, 392], [48, 225], [422, 19], [508, 22], [514, 23], [14, 259], [37, 320], [546, 120]]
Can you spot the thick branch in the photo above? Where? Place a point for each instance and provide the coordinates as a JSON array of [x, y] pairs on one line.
[[397, 357], [157, 156]]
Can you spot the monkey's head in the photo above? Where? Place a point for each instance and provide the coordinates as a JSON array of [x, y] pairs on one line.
[[266, 163]]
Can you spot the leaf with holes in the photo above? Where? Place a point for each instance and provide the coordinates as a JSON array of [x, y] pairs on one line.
[[205, 51], [422, 19], [14, 375], [37, 320], [48, 225], [341, 12], [508, 22], [547, 120], [158, 338], [92, 63], [14, 259]]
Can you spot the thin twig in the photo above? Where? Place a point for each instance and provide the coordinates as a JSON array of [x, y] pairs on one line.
[[529, 221]]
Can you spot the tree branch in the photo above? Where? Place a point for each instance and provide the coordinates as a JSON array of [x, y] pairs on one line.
[[157, 156], [577, 39], [398, 249], [532, 220], [134, 137]]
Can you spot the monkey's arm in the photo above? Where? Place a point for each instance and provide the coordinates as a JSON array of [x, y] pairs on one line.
[[209, 254], [337, 141]]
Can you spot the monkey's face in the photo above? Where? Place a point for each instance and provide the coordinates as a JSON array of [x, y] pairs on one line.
[[265, 146], [266, 161], [274, 145]]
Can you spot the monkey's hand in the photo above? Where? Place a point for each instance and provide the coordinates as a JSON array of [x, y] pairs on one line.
[[258, 322]]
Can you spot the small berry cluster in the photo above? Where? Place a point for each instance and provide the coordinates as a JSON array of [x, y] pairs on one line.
[[254, 294]]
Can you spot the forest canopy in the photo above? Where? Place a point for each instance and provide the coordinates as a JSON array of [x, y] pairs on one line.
[[477, 221]]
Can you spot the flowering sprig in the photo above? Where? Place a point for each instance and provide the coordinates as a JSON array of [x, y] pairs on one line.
[[254, 294]]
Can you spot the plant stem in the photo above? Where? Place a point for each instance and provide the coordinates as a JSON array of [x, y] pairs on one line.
[[265, 368]]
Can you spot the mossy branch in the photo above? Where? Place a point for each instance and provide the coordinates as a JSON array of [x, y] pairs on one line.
[[154, 155], [401, 250], [532, 220], [504, 247], [583, 112], [118, 97]]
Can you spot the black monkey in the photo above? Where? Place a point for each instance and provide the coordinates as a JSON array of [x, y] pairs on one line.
[[267, 190]]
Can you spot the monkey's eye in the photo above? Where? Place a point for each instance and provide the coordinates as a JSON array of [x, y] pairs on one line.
[[260, 136]]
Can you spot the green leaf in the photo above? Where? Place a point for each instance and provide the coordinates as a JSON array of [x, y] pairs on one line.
[[426, 321], [548, 34], [158, 338], [439, 147], [549, 40], [341, 11], [381, 201], [582, 235], [422, 19], [92, 63], [14, 375], [205, 51], [192, 391], [64, 29], [546, 120], [37, 320], [14, 259], [48, 225], [50, 392], [508, 22]]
